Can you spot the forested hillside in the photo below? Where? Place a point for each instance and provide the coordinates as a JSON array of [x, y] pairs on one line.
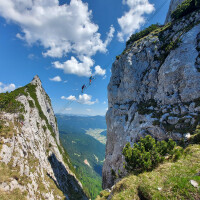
[[87, 153]]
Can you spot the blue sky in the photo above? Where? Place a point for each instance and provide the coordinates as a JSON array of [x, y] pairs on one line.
[[64, 42]]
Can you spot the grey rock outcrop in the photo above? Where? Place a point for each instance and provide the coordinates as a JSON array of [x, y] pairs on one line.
[[173, 5], [33, 164], [154, 89], [45, 104]]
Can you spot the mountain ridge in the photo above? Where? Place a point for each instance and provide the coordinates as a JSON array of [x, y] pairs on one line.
[[33, 164]]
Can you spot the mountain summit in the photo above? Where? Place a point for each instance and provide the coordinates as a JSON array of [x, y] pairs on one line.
[[33, 164]]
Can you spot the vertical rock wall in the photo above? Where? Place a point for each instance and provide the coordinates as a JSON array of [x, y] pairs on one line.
[[154, 89]]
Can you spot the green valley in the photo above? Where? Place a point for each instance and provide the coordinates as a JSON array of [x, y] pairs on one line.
[[79, 137], [97, 134]]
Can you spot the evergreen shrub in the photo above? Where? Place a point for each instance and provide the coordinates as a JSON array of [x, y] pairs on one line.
[[8, 102], [142, 33], [148, 153], [185, 8]]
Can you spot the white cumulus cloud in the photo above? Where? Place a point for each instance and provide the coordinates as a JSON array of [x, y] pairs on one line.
[[56, 79], [60, 29], [134, 18], [70, 98], [82, 68], [7, 87], [86, 99], [82, 99], [73, 66], [99, 71]]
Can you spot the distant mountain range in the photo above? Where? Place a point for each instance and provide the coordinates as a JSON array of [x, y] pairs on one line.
[[74, 122]]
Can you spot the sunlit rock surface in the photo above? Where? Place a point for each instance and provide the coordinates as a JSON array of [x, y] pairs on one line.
[[154, 89]]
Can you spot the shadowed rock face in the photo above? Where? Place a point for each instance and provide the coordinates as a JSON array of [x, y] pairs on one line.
[[65, 181], [154, 89], [173, 5]]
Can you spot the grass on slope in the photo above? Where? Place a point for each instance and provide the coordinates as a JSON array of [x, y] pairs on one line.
[[8, 173], [13, 195], [168, 181], [143, 33], [8, 102]]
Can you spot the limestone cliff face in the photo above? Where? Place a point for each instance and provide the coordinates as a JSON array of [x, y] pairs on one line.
[[45, 104], [173, 5], [154, 89], [33, 164]]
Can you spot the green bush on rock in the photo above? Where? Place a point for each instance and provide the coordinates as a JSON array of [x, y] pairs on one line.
[[148, 153], [31, 104], [195, 139], [170, 180], [185, 8], [21, 117], [8, 102], [142, 33]]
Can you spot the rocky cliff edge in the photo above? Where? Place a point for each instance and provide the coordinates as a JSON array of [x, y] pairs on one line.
[[154, 89], [33, 164]]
